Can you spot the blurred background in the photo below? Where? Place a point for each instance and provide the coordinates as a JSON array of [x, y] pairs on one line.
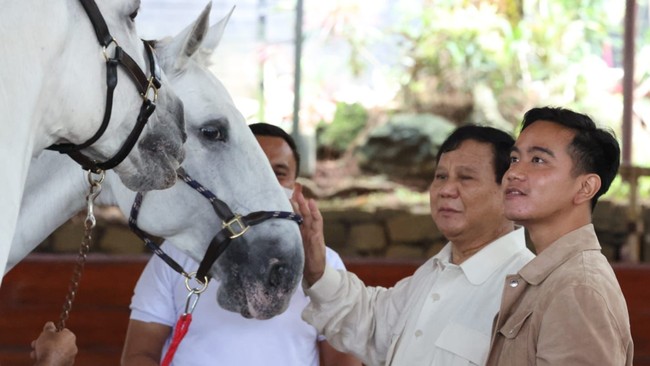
[[370, 89]]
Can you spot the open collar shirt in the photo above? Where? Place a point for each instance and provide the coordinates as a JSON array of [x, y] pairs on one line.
[[565, 307], [442, 315]]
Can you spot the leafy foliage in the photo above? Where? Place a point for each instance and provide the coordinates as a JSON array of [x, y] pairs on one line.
[[349, 120], [539, 57]]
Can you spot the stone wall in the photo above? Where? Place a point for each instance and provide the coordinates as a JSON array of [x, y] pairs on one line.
[[412, 233], [352, 232]]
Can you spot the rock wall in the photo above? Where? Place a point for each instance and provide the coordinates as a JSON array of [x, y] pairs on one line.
[[383, 233], [409, 234]]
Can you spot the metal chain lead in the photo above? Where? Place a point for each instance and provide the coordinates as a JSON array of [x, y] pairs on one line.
[[89, 223]]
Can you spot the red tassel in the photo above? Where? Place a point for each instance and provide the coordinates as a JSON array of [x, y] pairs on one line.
[[182, 326]]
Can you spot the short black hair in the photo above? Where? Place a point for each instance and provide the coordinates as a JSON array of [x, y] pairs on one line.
[[501, 142], [593, 149], [266, 129]]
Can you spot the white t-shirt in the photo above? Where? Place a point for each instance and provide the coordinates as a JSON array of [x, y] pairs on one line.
[[220, 337]]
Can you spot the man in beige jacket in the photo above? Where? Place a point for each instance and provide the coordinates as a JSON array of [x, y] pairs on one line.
[[564, 307]]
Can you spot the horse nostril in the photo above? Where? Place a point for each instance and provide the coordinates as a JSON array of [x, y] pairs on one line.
[[277, 273]]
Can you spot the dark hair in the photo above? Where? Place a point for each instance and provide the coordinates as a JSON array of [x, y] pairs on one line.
[[500, 141], [593, 149], [265, 129]]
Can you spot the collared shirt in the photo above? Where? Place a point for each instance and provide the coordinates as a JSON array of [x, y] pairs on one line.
[[442, 315], [565, 307]]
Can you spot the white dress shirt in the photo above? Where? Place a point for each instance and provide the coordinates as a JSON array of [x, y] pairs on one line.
[[442, 315]]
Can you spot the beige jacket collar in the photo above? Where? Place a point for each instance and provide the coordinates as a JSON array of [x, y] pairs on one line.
[[579, 240]]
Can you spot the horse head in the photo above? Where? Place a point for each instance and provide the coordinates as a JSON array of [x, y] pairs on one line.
[[87, 58], [260, 270]]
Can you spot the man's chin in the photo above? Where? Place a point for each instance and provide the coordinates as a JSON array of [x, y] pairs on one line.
[[517, 217]]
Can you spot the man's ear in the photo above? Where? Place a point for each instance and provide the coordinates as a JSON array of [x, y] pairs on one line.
[[589, 186]]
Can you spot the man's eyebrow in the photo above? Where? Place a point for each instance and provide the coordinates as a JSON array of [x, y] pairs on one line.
[[466, 169], [533, 149], [542, 150]]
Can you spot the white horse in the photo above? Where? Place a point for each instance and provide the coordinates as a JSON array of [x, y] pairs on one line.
[[260, 269], [53, 89]]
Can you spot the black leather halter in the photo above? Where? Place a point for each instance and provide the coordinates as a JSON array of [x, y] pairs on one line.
[[233, 226], [144, 85]]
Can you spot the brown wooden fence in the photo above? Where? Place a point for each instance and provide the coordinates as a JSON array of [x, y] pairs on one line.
[[33, 293]]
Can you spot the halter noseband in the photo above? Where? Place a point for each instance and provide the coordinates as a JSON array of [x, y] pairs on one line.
[[233, 226], [143, 84]]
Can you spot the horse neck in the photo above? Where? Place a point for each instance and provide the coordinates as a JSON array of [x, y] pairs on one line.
[[55, 191], [26, 70], [31, 66], [26, 60]]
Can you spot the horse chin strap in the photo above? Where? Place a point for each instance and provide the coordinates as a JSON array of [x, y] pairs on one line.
[[145, 86], [233, 226]]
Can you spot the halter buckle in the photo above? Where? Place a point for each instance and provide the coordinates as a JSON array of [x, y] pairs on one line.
[[105, 49], [152, 83], [236, 226]]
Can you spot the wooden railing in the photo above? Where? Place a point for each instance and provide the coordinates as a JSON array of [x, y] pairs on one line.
[[33, 293]]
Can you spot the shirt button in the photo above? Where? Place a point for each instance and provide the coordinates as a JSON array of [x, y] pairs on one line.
[[418, 333], [514, 283], [435, 297]]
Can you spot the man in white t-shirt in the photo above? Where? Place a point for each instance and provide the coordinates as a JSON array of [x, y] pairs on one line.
[[217, 336], [442, 315]]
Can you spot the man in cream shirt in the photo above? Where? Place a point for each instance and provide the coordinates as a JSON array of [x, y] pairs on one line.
[[442, 315]]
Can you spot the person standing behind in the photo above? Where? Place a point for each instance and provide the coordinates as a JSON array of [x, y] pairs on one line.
[[217, 336], [442, 315], [565, 307]]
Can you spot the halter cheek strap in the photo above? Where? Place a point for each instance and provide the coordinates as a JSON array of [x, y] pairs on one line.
[[97, 20], [143, 84], [148, 239], [233, 226]]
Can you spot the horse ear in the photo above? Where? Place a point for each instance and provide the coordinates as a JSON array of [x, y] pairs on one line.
[[214, 34], [186, 43]]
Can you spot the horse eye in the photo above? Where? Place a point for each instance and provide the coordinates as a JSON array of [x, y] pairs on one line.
[[212, 133], [134, 14]]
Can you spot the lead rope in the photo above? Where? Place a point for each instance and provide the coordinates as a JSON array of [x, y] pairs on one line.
[[184, 321], [89, 224]]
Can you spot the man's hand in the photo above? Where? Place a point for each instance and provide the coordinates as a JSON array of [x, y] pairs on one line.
[[53, 348], [311, 231]]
